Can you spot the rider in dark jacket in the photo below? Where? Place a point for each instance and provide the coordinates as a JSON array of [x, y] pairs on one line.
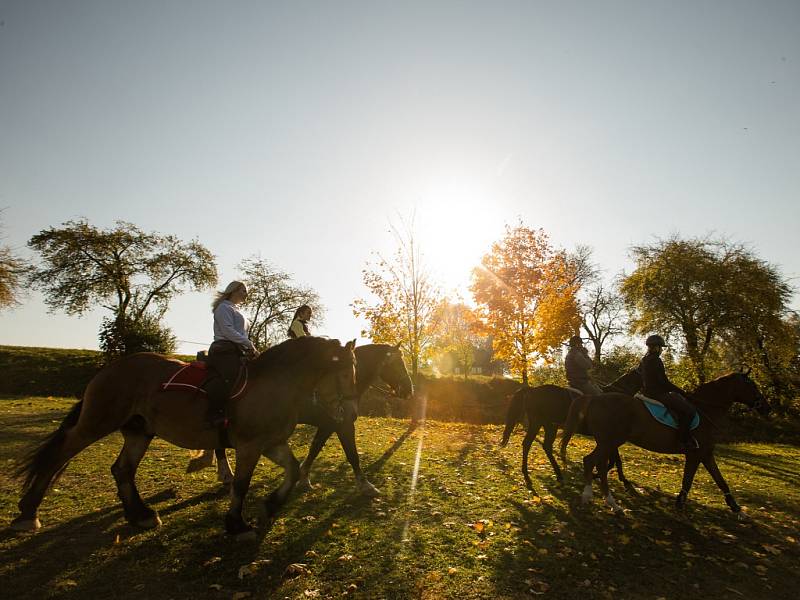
[[657, 386], [577, 364]]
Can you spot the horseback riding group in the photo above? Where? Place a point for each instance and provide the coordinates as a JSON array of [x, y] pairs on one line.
[[239, 398]]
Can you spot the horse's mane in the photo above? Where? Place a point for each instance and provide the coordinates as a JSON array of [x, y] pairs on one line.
[[308, 350], [703, 394]]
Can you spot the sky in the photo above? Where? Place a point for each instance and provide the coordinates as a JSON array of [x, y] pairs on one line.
[[300, 131]]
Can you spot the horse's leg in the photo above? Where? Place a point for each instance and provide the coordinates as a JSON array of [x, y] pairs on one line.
[[588, 477], [550, 431], [347, 437], [283, 456], [124, 470], [247, 457], [689, 470], [710, 464], [533, 429], [49, 462], [203, 461], [603, 454], [616, 461], [224, 474], [322, 435]]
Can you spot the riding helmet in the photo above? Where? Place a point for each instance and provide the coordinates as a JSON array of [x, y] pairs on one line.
[[655, 340], [575, 340]]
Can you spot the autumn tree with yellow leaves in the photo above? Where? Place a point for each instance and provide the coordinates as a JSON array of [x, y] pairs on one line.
[[404, 302], [526, 294]]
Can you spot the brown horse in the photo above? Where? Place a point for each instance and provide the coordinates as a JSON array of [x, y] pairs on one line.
[[127, 396], [615, 419], [373, 362], [548, 406]]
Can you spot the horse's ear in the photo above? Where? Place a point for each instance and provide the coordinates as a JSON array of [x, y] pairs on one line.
[[746, 372], [397, 345], [350, 345]]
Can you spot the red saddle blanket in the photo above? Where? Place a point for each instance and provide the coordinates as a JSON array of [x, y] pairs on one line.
[[195, 374]]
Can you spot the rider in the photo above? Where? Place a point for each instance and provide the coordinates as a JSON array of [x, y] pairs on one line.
[[577, 365], [656, 385], [230, 347], [299, 326], [298, 329]]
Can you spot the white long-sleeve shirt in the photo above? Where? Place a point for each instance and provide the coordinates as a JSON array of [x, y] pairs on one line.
[[231, 325]]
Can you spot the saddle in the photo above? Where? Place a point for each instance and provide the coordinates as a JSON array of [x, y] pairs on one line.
[[662, 414], [194, 376]]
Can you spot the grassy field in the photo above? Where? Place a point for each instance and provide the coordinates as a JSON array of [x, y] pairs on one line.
[[466, 527]]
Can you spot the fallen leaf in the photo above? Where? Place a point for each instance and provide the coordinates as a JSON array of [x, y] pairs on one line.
[[311, 593], [215, 586], [345, 557], [452, 570], [295, 570], [212, 561], [241, 595], [251, 568]]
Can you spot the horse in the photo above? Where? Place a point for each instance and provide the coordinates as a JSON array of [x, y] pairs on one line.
[[373, 362], [548, 406], [615, 419], [126, 396]]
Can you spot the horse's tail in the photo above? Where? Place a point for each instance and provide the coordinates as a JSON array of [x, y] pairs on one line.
[[515, 409], [41, 457], [576, 413]]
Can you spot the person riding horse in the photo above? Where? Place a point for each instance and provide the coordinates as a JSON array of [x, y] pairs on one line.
[[299, 329], [657, 386], [577, 365], [230, 347]]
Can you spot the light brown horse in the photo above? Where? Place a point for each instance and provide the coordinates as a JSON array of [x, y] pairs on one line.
[[615, 419], [127, 396]]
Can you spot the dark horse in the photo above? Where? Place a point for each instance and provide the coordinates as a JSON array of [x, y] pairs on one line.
[[547, 406], [373, 362], [618, 418], [127, 396]]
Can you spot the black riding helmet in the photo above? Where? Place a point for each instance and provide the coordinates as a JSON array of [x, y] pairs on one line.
[[575, 341], [655, 340]]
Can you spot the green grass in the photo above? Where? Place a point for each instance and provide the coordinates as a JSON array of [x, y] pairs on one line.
[[469, 529]]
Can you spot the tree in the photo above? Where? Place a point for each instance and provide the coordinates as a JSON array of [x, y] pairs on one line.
[[129, 272], [602, 318], [405, 300], [13, 271], [701, 290], [272, 300], [458, 333], [527, 296]]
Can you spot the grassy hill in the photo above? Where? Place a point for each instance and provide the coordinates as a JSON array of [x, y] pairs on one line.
[[461, 526]]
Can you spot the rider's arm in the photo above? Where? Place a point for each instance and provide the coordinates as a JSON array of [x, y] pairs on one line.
[[225, 319]]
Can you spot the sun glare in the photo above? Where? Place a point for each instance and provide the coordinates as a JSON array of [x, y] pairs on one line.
[[457, 225]]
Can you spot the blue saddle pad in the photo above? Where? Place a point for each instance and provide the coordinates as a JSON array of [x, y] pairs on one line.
[[662, 415]]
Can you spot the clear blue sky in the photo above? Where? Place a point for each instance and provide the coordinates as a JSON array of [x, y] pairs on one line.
[[297, 130]]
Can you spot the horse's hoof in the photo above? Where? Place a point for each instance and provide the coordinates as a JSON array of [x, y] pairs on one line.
[[149, 522], [629, 487], [367, 489], [20, 524], [742, 516]]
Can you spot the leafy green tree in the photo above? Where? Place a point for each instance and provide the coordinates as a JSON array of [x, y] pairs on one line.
[[702, 291], [129, 272], [272, 300], [13, 271]]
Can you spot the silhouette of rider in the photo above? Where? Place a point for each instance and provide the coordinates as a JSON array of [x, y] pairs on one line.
[[657, 386], [577, 365]]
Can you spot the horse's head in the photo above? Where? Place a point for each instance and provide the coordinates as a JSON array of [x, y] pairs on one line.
[[393, 372], [749, 394], [339, 375]]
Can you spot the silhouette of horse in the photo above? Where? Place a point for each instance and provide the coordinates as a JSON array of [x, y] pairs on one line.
[[548, 406], [127, 396], [373, 362], [615, 419]]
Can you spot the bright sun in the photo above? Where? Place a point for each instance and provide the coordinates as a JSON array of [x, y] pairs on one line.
[[456, 227]]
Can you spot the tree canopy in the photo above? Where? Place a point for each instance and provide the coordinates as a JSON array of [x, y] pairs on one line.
[[131, 273], [527, 296]]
